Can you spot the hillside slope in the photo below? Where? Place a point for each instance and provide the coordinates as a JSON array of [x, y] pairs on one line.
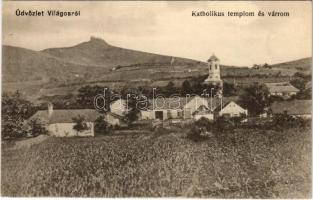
[[99, 53], [303, 64], [24, 65], [58, 71]]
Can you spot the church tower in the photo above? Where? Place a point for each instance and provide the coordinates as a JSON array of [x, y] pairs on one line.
[[214, 77]]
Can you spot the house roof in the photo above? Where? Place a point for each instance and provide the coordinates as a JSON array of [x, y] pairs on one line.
[[216, 103], [168, 103], [115, 115], [281, 87], [179, 103], [119, 101], [295, 107], [66, 116], [219, 107], [202, 110], [213, 58]]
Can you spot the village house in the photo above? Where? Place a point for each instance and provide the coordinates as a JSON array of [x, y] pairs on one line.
[[203, 112], [60, 123], [297, 108], [231, 109], [192, 108], [118, 107], [281, 89], [173, 108]]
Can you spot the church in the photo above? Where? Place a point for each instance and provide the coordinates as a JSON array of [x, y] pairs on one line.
[[214, 77]]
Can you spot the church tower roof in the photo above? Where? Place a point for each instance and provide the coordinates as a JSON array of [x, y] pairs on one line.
[[213, 58]]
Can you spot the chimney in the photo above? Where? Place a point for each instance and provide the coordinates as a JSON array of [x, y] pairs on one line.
[[50, 109]]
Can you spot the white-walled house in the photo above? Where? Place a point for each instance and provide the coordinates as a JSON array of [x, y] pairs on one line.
[[114, 119], [60, 123], [119, 107], [282, 89], [173, 108], [231, 109], [203, 112]]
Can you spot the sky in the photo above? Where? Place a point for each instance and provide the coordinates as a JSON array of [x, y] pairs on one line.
[[169, 28]]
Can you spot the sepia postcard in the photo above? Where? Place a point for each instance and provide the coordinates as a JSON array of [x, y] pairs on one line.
[[191, 99]]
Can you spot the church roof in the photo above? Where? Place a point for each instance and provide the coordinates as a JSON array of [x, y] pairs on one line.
[[213, 58]]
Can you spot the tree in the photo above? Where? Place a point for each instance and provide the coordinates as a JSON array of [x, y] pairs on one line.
[[37, 128], [186, 88], [267, 66], [133, 111], [255, 98], [15, 110], [80, 124], [298, 83], [101, 125], [229, 89], [86, 96], [169, 89]]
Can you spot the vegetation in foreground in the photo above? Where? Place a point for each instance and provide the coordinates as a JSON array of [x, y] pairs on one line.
[[242, 163]]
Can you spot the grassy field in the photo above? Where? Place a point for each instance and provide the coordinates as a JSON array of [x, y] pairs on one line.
[[241, 164]]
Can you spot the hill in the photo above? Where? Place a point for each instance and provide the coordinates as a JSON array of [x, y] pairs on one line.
[[303, 65], [97, 52], [57, 71], [24, 65]]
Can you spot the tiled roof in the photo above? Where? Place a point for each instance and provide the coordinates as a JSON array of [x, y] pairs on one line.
[[202, 110], [66, 116], [168, 103], [216, 104], [179, 103], [281, 87], [295, 107]]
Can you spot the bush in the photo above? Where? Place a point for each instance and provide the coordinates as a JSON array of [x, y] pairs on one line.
[[11, 129], [201, 129], [80, 124], [37, 128], [283, 121], [101, 126], [223, 125], [15, 110]]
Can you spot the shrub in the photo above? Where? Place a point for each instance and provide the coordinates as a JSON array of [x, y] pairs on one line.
[[222, 125], [200, 129], [36, 128], [15, 110], [283, 121], [101, 126], [80, 124]]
